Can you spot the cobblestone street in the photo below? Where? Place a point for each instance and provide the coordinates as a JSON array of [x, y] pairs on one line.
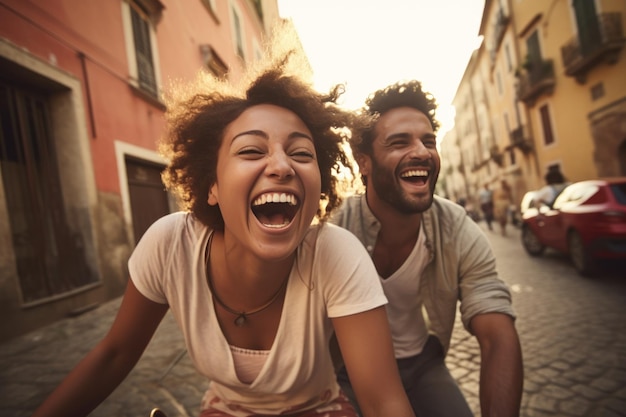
[[572, 330]]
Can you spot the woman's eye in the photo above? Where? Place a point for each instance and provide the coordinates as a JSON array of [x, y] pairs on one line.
[[303, 155], [249, 151]]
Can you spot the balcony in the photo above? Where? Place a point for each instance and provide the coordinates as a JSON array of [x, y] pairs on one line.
[[477, 166], [580, 55], [520, 139], [536, 79], [495, 155]]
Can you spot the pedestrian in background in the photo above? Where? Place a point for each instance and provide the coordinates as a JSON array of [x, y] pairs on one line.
[[555, 183], [485, 199], [502, 200], [429, 255], [256, 289]]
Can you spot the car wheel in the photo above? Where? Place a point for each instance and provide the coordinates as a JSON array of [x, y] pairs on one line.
[[578, 255], [531, 243]]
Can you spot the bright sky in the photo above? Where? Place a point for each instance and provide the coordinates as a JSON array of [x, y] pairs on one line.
[[368, 45]]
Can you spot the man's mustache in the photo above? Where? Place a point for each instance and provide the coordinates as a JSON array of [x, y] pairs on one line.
[[416, 164]]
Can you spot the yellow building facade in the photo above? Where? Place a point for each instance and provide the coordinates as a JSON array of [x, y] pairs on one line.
[[545, 90]]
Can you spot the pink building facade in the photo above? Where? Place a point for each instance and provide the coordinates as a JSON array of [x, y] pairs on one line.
[[81, 109]]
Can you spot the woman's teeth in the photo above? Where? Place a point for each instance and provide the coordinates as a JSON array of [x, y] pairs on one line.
[[275, 198]]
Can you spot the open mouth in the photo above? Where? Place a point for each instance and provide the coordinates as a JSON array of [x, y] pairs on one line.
[[415, 176], [275, 210]]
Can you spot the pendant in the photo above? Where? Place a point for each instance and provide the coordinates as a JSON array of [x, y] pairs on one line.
[[240, 320]]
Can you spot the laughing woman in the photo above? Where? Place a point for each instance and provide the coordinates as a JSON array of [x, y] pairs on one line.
[[256, 289]]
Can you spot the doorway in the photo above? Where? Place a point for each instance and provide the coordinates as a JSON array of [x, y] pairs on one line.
[[149, 200]]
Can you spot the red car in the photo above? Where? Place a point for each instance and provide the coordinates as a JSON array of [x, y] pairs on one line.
[[587, 221]]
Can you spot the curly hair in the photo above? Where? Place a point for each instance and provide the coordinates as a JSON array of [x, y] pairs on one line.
[[401, 94], [197, 124]]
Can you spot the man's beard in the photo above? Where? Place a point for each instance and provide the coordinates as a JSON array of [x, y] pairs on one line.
[[389, 191]]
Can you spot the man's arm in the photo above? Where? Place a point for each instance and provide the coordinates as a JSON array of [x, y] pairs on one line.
[[501, 370]]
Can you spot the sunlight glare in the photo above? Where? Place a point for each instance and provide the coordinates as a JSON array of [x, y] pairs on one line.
[[367, 46]]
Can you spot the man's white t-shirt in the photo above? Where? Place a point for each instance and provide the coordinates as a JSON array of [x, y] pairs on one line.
[[332, 276], [404, 311]]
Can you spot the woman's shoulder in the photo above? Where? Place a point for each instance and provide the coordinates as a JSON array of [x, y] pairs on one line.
[[173, 225], [171, 219], [329, 232], [328, 240]]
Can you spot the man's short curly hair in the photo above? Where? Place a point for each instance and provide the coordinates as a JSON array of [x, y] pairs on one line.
[[197, 123], [401, 94]]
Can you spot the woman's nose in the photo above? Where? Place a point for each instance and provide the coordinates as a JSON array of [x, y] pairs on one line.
[[279, 164]]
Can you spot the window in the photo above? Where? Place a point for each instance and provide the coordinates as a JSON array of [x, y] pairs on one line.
[[143, 51], [237, 32], [597, 91], [507, 52], [619, 192], [534, 49], [139, 17], [546, 125], [213, 62], [589, 33]]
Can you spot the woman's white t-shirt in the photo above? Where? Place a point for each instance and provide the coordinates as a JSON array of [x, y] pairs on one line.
[[332, 276]]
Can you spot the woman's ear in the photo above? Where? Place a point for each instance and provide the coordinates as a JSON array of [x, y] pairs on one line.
[[213, 198]]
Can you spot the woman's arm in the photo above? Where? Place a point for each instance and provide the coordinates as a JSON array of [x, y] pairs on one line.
[[110, 361], [365, 343]]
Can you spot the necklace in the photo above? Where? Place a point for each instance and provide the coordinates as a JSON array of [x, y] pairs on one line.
[[240, 316]]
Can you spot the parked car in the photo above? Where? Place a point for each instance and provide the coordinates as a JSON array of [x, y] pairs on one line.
[[527, 201], [587, 221], [517, 212]]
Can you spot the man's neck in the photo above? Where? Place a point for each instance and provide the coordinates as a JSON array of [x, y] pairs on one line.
[[396, 238], [396, 228]]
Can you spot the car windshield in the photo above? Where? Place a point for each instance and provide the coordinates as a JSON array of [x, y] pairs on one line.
[[619, 191], [575, 194]]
